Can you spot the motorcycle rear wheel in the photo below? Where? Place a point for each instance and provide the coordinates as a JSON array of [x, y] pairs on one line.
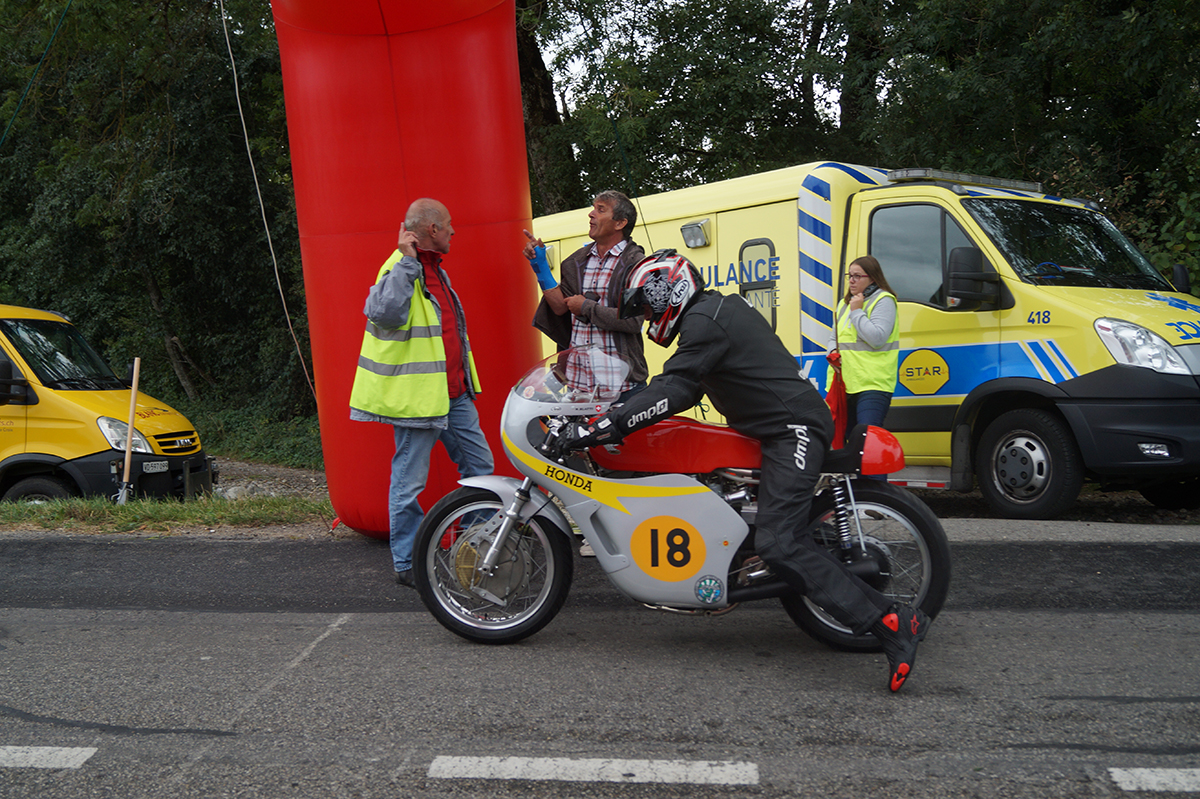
[[905, 537], [532, 577]]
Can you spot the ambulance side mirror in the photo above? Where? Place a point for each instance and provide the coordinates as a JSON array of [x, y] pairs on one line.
[[1180, 279], [972, 281]]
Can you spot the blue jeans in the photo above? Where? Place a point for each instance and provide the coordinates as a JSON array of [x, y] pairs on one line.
[[867, 407], [468, 448]]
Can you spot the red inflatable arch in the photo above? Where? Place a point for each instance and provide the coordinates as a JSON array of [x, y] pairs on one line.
[[388, 101]]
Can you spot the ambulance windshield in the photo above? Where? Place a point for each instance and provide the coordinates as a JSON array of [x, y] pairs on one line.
[[1057, 245]]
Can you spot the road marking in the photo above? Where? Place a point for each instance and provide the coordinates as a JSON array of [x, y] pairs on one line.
[[44, 756], [1180, 780], [595, 770]]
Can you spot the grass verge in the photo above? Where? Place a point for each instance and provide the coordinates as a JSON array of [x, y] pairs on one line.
[[100, 515]]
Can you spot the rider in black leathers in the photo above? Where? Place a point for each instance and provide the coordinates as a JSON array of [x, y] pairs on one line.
[[728, 351]]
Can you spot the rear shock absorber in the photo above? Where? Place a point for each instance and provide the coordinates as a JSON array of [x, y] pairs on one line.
[[843, 503]]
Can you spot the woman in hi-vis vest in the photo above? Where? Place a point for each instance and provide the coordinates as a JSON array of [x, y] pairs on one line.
[[866, 341]]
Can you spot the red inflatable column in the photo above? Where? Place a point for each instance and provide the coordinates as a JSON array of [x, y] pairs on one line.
[[388, 101]]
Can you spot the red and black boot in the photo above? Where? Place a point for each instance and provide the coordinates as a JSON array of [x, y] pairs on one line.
[[900, 630]]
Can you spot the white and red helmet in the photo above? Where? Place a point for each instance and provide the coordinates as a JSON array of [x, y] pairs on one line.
[[666, 282]]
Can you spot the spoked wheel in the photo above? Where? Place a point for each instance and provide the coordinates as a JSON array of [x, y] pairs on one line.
[[525, 591], [903, 554]]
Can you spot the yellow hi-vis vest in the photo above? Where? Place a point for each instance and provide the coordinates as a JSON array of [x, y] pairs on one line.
[[864, 368], [402, 373]]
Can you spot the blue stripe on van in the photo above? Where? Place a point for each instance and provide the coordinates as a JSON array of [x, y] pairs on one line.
[[854, 173], [807, 345], [1070, 367], [816, 311], [972, 364], [817, 186], [1039, 350], [1048, 361], [815, 268], [816, 227]]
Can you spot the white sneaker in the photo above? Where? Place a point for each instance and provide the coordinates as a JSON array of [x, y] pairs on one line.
[[586, 550]]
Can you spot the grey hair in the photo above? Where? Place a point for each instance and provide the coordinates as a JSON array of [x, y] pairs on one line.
[[423, 213], [623, 209]]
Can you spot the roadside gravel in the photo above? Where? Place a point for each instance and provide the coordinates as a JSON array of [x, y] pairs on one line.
[[240, 479]]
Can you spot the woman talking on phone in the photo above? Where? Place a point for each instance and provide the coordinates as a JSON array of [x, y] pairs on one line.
[[866, 342]]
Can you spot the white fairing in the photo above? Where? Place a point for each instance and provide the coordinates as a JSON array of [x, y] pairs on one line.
[[664, 539]]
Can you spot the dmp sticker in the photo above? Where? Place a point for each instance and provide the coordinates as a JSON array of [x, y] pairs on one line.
[[709, 589], [924, 372]]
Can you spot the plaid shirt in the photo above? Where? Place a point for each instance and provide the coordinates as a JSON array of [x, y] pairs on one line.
[[594, 281]]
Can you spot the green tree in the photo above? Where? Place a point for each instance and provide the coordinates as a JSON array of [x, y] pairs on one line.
[[668, 94], [1021, 88], [128, 199], [553, 172], [1094, 99]]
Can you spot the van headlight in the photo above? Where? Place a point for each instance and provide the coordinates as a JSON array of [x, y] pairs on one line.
[[1134, 345], [114, 430]]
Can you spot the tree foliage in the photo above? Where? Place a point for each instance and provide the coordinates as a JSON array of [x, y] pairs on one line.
[[1094, 99], [127, 201], [667, 94]]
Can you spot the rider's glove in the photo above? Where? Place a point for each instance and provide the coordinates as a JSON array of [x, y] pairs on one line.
[[541, 268], [593, 434]]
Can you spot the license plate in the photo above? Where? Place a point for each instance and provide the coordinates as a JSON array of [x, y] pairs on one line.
[[150, 467]]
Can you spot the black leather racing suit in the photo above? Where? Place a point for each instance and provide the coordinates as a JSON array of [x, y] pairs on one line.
[[727, 350]]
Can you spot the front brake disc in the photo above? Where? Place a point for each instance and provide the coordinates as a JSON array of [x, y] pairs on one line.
[[464, 564], [513, 568]]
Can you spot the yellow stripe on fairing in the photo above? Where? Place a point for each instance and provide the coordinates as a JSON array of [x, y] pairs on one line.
[[606, 492]]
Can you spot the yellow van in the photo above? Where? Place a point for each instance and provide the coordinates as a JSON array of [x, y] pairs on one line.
[[64, 416], [1039, 347]]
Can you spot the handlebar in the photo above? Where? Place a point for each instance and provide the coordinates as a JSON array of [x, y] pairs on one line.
[[552, 445]]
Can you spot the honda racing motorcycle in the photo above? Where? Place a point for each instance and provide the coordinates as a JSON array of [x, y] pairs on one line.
[[669, 512]]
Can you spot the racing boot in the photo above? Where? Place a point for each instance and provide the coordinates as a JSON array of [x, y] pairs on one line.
[[900, 630]]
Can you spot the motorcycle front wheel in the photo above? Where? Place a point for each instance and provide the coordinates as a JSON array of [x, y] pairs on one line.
[[526, 589], [906, 541]]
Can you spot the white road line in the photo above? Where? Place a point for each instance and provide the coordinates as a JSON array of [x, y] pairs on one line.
[[594, 770], [1180, 780], [44, 756]]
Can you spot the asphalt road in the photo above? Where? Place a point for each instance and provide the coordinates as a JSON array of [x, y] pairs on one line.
[[1063, 662]]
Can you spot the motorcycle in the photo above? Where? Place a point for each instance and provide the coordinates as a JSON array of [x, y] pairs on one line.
[[669, 513]]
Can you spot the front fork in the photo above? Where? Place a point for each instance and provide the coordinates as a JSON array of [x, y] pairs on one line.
[[487, 567]]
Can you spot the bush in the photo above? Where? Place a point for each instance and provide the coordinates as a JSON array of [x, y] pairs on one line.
[[252, 434]]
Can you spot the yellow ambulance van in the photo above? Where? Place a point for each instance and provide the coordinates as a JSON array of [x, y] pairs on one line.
[[64, 416], [1039, 347]]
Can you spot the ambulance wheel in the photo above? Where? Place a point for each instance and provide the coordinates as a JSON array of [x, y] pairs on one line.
[[1028, 465], [1174, 494], [37, 490]]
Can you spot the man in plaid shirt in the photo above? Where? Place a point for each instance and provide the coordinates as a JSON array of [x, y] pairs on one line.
[[584, 307]]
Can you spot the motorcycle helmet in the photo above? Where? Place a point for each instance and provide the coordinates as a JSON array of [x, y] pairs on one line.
[[667, 282]]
